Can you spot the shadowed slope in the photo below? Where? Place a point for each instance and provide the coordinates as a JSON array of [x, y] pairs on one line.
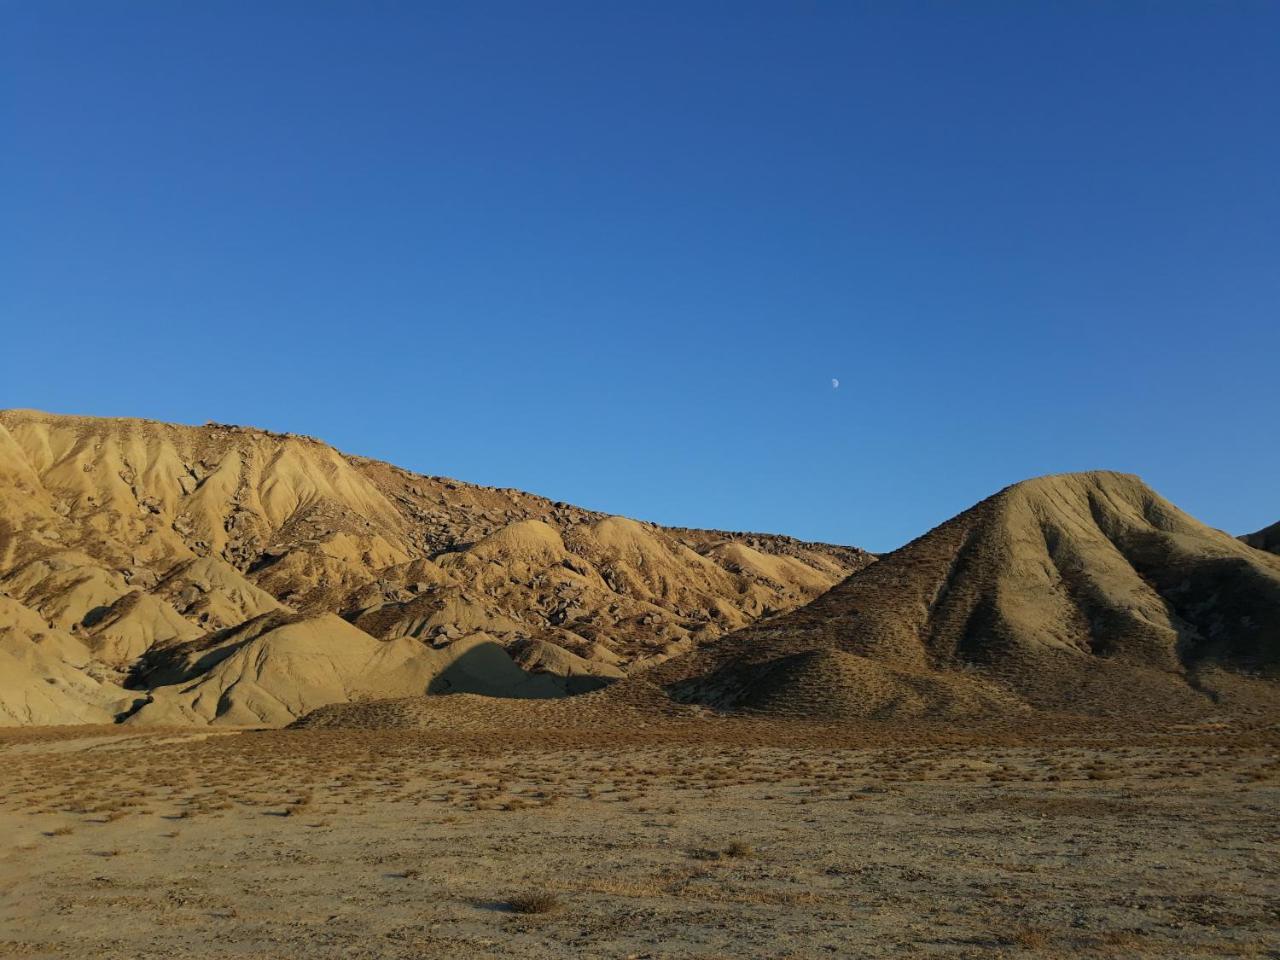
[[1268, 538]]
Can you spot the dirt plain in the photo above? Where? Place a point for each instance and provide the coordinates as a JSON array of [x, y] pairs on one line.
[[717, 838]]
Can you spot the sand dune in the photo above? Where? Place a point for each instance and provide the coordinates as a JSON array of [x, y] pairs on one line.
[[273, 677]]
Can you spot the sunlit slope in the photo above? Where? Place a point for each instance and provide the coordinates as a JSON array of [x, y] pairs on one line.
[[132, 537]]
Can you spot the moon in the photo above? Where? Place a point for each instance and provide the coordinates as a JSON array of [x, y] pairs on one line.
[[835, 384]]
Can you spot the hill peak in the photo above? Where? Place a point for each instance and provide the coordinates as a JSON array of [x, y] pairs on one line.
[[1075, 591]]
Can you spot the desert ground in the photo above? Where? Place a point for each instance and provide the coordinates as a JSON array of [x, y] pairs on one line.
[[721, 838]]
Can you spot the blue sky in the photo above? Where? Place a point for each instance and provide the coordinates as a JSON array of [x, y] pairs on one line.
[[616, 253]]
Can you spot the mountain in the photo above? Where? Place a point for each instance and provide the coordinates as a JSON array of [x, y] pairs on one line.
[[1083, 593], [228, 574], [156, 573], [1268, 538]]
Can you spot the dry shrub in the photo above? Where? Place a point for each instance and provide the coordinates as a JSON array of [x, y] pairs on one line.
[[1031, 938], [738, 850], [534, 902]]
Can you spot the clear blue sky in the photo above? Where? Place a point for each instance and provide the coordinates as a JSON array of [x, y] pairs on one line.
[[615, 253]]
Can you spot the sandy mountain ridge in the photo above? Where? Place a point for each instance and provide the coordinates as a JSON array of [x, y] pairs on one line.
[[226, 574]]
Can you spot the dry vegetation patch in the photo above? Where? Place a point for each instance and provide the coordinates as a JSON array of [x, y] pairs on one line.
[[538, 901]]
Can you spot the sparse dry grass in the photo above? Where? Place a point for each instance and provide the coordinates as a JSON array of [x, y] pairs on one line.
[[719, 828]]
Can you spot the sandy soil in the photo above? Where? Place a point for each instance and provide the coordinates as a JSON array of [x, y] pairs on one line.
[[742, 841]]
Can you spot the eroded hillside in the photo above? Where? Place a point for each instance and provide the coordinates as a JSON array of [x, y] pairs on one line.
[[229, 574]]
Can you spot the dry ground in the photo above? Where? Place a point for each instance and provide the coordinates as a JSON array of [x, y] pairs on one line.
[[721, 839]]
